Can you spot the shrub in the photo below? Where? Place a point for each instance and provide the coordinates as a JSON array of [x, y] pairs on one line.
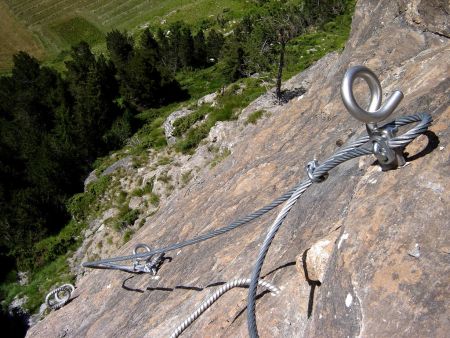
[[82, 204], [50, 248], [220, 156], [186, 177], [147, 189], [126, 217], [154, 199], [164, 177], [164, 160], [254, 117], [127, 235], [228, 108], [182, 124]]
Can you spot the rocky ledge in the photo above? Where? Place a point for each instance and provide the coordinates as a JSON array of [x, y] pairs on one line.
[[365, 253]]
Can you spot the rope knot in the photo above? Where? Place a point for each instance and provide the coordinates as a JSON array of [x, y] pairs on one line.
[[311, 168]]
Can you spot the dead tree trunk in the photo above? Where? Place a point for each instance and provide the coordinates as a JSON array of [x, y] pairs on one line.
[[280, 71]]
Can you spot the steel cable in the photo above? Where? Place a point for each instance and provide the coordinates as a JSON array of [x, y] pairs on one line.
[[340, 157], [317, 173], [216, 295], [106, 263]]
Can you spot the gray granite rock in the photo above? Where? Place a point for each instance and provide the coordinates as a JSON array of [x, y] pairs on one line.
[[371, 286]]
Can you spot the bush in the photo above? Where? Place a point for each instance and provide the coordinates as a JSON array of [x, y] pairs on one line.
[[164, 177], [228, 108], [81, 205], [164, 160], [147, 189], [126, 217], [127, 235], [50, 248], [193, 138], [120, 131], [220, 156], [254, 117], [154, 199], [182, 124], [42, 280], [186, 177]]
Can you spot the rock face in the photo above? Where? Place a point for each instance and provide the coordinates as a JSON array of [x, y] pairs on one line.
[[371, 286], [168, 124]]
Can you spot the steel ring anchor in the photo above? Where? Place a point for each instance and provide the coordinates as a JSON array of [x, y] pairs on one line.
[[151, 264], [67, 290], [387, 157], [137, 265]]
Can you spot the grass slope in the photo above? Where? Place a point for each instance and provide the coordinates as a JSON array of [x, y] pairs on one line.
[[74, 30], [54, 25], [15, 37]]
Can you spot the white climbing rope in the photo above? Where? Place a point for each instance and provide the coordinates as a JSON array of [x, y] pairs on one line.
[[216, 295]]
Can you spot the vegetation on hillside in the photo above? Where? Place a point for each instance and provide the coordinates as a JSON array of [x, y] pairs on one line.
[[54, 124]]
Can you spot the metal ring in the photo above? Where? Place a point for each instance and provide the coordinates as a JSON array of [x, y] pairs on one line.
[[141, 245], [67, 289], [52, 299], [375, 113]]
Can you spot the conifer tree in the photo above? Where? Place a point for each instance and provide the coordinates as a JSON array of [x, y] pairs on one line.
[[214, 43], [94, 87], [164, 47], [200, 56], [186, 48], [150, 47], [120, 47], [143, 81]]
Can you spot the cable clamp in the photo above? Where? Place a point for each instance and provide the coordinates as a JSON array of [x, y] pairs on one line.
[[388, 158], [310, 168], [150, 264]]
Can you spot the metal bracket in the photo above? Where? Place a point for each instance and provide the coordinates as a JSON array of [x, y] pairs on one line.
[[151, 264], [388, 157]]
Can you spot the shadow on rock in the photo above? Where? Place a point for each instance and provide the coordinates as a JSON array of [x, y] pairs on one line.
[[168, 289]]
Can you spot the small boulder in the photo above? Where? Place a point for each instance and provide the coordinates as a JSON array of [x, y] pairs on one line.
[[316, 258]]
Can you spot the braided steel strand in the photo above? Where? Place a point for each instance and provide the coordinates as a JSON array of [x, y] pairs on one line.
[[404, 120], [106, 263], [320, 171], [328, 164], [216, 295], [251, 315], [424, 120]]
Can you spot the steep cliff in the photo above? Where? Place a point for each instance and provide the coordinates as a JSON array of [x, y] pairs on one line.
[[380, 243]]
